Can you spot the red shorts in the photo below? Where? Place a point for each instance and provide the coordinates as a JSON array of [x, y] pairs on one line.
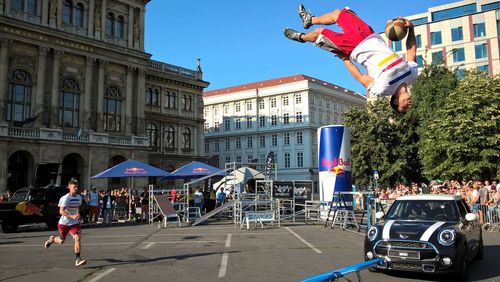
[[65, 229], [355, 30]]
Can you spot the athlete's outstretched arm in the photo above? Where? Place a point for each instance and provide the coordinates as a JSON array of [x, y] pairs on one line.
[[411, 42], [364, 79]]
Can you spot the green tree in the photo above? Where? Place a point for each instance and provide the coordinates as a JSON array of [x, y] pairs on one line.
[[462, 140], [374, 144], [429, 92]]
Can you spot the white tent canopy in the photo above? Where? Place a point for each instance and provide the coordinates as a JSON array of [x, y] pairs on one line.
[[238, 179]]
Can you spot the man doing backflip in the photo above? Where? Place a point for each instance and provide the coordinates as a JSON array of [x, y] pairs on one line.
[[69, 222], [386, 73]]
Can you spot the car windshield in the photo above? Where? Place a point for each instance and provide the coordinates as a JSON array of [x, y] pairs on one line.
[[19, 196], [423, 210]]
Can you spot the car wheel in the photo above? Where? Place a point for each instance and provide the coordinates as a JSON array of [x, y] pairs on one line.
[[480, 249], [9, 227], [462, 271]]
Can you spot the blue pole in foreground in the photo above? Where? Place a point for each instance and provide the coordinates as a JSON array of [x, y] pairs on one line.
[[333, 275]]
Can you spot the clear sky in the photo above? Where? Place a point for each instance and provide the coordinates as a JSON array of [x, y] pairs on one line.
[[242, 41]]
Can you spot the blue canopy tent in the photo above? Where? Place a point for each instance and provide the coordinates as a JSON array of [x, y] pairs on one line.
[[194, 169], [132, 168]]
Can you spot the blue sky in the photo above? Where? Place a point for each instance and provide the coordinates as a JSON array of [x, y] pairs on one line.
[[241, 41]]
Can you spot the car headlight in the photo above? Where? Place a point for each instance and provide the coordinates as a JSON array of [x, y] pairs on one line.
[[446, 237], [372, 233]]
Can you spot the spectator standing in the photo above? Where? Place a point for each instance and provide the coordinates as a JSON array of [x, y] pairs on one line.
[[145, 205], [198, 199], [2, 198], [108, 203], [173, 195], [211, 200], [94, 206], [220, 197], [483, 193]]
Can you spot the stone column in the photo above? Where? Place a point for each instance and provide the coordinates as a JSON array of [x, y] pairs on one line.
[[129, 100], [141, 97], [91, 13], [180, 145], [103, 19], [7, 8], [54, 93], [45, 12], [87, 107], [1, 7], [4, 159], [100, 95], [130, 30], [39, 103], [4, 68], [60, 10], [142, 25]]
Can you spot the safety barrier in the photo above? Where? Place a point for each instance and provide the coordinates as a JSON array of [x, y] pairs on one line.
[[340, 273], [258, 217], [488, 216]]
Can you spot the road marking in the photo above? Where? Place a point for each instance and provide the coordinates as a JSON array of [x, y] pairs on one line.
[[147, 246], [114, 236], [225, 257], [98, 277], [228, 240], [304, 241]]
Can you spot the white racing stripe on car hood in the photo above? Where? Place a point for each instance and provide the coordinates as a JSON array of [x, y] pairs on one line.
[[428, 233], [387, 230]]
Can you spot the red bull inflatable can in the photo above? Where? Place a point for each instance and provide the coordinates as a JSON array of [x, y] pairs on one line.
[[334, 161]]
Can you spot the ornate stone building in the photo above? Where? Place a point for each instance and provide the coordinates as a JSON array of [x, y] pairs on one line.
[[77, 88]]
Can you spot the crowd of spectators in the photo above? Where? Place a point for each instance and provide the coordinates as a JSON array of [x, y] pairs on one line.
[[482, 196]]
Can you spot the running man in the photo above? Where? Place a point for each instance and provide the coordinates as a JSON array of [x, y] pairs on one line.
[[386, 73], [69, 206]]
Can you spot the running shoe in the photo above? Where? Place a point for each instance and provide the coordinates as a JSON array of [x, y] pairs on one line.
[[293, 35], [305, 16], [49, 242], [80, 262]]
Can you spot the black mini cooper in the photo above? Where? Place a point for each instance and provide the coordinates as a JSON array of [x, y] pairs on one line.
[[426, 233]]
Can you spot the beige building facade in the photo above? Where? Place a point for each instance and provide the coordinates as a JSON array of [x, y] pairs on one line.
[[77, 88], [461, 35]]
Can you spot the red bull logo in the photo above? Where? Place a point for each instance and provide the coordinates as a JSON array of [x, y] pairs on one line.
[[199, 170], [335, 162], [337, 170], [135, 171]]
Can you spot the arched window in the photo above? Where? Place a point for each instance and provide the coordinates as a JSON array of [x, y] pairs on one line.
[[17, 6], [110, 24], [67, 12], [170, 137], [186, 138], [69, 104], [79, 15], [19, 96], [152, 130], [149, 94], [120, 24], [112, 109], [31, 7]]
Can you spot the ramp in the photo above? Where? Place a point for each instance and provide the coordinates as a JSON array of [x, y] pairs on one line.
[[212, 213], [166, 208]]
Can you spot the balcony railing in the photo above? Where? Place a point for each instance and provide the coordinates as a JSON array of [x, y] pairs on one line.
[[59, 135], [167, 68]]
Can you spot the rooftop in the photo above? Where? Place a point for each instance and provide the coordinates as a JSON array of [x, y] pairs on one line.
[[279, 81]]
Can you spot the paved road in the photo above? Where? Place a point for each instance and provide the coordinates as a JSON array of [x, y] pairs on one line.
[[213, 252]]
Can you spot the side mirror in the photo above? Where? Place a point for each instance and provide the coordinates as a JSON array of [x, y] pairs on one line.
[[379, 215], [470, 217]]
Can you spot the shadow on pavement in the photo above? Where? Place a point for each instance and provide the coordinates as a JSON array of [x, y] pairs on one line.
[[117, 262]]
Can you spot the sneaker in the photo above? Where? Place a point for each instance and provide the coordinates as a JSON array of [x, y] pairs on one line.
[[49, 242], [80, 262], [293, 35], [306, 17]]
